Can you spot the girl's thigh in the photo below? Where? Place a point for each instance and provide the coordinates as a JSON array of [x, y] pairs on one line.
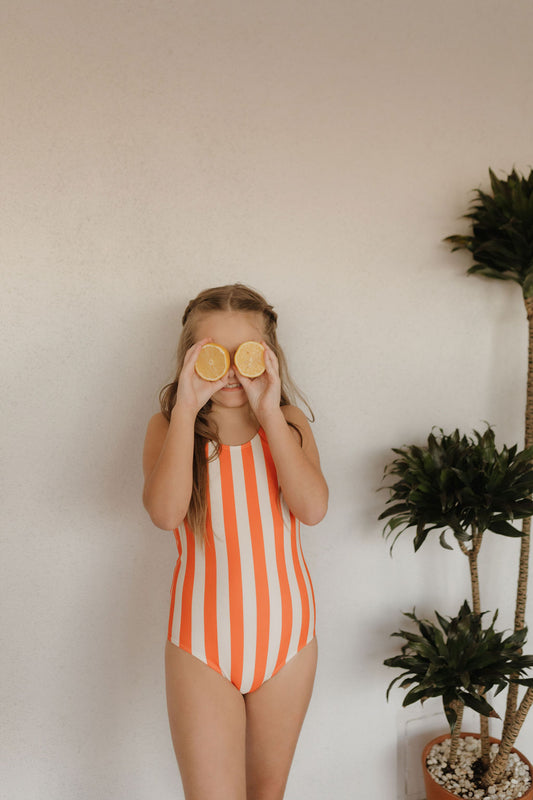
[[208, 724], [275, 713]]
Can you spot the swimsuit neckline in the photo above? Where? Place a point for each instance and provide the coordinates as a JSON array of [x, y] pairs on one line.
[[249, 443]]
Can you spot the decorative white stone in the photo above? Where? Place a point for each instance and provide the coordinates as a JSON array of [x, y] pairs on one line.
[[514, 784]]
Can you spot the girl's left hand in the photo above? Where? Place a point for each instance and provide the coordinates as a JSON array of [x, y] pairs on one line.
[[264, 392]]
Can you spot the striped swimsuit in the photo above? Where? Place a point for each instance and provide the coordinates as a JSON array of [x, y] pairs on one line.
[[243, 602]]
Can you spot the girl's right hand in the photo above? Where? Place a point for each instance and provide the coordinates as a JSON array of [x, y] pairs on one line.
[[193, 392]]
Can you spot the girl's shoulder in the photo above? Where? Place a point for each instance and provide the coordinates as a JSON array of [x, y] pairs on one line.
[[297, 420], [158, 422], [295, 415]]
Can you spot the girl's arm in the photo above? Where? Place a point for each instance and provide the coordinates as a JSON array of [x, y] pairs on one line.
[[298, 465], [167, 466], [169, 448]]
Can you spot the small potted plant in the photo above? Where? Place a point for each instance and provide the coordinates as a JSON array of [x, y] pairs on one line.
[[466, 487]]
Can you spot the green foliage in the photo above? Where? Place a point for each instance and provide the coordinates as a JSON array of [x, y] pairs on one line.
[[459, 484], [457, 661], [501, 242]]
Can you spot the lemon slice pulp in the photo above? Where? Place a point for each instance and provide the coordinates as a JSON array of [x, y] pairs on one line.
[[250, 359], [212, 362]]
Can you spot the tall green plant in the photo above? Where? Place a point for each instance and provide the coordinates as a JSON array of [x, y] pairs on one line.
[[468, 487], [501, 244]]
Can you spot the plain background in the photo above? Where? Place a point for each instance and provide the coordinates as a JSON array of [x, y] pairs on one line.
[[318, 151]]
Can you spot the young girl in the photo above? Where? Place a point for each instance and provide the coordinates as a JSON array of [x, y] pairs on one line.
[[232, 467]]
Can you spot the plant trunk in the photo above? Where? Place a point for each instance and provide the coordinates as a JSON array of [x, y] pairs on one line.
[[474, 575], [485, 743], [523, 568], [476, 607], [472, 553], [509, 736], [454, 741], [521, 593]]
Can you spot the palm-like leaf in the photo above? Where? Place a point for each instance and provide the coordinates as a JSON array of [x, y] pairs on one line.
[[457, 661], [456, 483], [501, 241]]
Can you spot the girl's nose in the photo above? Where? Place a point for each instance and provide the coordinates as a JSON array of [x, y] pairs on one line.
[[231, 371]]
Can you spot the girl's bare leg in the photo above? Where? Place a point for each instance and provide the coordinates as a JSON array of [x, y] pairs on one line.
[[207, 719], [274, 716]]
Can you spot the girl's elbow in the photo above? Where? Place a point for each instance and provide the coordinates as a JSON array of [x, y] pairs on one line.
[[315, 518], [164, 520], [162, 511], [163, 523], [316, 512]]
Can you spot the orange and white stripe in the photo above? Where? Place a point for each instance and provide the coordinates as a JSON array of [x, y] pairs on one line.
[[243, 602]]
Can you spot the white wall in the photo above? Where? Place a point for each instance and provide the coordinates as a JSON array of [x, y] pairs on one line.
[[318, 151]]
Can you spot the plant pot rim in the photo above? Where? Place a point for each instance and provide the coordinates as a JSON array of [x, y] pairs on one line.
[[444, 793]]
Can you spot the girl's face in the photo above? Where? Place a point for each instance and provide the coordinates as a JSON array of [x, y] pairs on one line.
[[230, 329]]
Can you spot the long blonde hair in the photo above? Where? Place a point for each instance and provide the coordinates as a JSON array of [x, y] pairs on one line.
[[232, 297]]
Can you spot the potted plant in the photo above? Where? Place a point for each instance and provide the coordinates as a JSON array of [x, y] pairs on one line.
[[467, 488], [501, 244]]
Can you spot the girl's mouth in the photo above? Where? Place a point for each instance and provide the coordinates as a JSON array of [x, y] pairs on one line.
[[232, 386]]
